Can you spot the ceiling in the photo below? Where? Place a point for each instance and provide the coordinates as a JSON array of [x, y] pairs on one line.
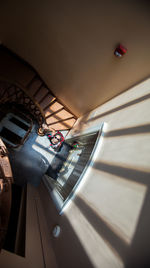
[[71, 45]]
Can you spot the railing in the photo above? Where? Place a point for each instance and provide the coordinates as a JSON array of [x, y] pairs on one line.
[[39, 101], [14, 92], [57, 115]]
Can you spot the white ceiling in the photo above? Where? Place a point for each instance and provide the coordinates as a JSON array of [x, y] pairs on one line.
[[71, 44]]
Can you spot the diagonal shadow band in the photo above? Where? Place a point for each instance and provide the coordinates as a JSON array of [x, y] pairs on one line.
[[102, 228], [121, 107], [68, 248], [128, 131], [58, 119], [139, 176], [139, 253]]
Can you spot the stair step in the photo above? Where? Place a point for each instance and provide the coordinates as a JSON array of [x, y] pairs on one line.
[[34, 78], [46, 102], [60, 115], [41, 93], [64, 125], [20, 123], [53, 108], [13, 129], [34, 87], [10, 137]]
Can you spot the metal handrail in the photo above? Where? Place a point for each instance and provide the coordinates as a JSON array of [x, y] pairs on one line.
[[37, 110]]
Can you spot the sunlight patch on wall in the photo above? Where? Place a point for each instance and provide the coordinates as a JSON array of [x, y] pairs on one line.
[[117, 201], [98, 250]]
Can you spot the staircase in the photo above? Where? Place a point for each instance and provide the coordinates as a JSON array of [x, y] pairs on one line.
[[40, 102], [56, 114]]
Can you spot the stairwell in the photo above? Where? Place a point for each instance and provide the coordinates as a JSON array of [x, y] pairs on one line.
[[28, 89]]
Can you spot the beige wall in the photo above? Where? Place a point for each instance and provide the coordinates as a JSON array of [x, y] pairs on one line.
[[71, 44], [107, 223]]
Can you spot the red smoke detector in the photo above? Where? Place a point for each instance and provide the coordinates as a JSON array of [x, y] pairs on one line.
[[120, 51]]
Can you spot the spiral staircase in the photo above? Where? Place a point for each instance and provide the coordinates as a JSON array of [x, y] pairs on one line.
[[39, 101]]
